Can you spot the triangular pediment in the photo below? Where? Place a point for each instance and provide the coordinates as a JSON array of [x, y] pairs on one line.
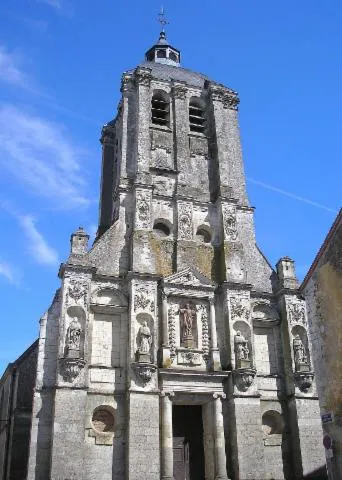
[[189, 277]]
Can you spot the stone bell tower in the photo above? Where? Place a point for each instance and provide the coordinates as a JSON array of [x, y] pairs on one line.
[[173, 349]]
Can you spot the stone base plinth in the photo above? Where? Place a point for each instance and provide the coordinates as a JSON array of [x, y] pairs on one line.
[[143, 357], [243, 363], [188, 341]]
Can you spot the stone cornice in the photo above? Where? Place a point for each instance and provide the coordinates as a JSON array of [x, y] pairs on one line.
[[143, 76], [127, 82], [235, 286], [107, 135], [72, 267], [179, 91], [227, 97]]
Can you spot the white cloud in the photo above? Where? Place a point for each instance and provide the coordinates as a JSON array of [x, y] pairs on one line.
[[10, 273], [41, 251], [10, 71], [52, 3], [41, 157]]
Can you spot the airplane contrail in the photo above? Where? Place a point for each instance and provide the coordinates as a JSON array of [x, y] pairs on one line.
[[291, 195]]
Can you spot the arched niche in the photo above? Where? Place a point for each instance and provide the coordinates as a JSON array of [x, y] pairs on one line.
[[103, 419], [299, 331], [272, 424], [242, 329], [203, 234], [109, 297], [75, 315], [162, 227], [264, 314], [142, 320]]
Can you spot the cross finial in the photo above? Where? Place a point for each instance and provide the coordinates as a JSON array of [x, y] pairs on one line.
[[162, 18]]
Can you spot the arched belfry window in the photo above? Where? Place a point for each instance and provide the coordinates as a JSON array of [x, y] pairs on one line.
[[160, 108], [196, 115]]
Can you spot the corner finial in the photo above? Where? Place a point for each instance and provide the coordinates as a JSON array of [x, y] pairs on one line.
[[163, 21]]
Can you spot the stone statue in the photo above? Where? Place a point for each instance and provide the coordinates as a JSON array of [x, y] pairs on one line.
[[144, 339], [187, 320], [241, 350], [300, 357], [73, 338]]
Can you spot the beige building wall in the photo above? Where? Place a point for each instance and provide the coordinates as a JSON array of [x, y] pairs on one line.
[[322, 288]]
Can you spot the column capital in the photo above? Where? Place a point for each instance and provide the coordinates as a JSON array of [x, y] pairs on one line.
[[164, 295], [143, 76], [217, 395], [179, 91], [227, 97], [167, 394]]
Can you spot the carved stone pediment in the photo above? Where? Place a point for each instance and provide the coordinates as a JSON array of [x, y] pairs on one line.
[[264, 313], [189, 277]]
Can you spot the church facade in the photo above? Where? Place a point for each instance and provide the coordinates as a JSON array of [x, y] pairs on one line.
[[173, 350]]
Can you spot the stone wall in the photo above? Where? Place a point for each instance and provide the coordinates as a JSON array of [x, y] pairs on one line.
[[322, 289], [143, 437], [16, 400]]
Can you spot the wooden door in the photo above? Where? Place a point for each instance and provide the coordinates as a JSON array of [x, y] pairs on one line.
[[181, 470], [188, 454]]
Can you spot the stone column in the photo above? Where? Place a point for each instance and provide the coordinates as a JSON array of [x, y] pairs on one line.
[[164, 315], [220, 452], [229, 154], [167, 437], [214, 351], [142, 78], [166, 359]]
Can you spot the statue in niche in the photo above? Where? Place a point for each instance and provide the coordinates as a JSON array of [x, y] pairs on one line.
[[300, 356], [73, 338], [188, 317], [144, 343], [241, 351]]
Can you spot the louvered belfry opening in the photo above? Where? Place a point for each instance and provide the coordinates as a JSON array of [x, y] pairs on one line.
[[196, 116], [160, 109]]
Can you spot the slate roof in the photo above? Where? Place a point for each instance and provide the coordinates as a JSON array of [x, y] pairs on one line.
[[180, 74]]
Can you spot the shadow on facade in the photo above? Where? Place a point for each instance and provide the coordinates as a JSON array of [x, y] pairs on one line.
[[319, 474]]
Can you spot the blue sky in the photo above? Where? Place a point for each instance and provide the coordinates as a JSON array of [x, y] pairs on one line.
[[60, 68]]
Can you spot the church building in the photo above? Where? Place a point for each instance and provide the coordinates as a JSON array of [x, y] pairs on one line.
[[173, 350]]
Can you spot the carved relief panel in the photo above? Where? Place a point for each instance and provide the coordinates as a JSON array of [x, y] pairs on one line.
[[161, 150], [239, 307], [297, 313], [229, 222], [143, 209], [188, 332], [198, 146], [185, 221]]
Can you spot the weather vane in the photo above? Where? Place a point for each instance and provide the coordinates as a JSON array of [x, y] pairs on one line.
[[162, 18]]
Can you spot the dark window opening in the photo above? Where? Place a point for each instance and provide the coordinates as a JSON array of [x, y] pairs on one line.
[[161, 53], [160, 110], [196, 116], [161, 229], [173, 57], [203, 235]]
